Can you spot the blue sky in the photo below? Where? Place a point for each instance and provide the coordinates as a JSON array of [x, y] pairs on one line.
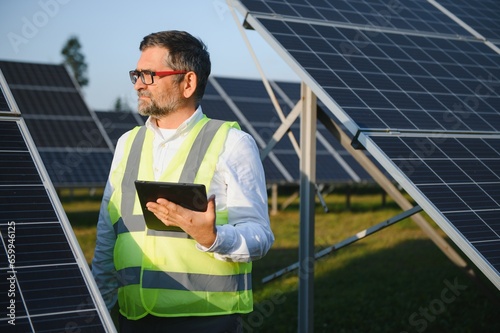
[[110, 32]]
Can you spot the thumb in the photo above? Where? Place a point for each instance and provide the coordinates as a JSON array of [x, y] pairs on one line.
[[211, 203]]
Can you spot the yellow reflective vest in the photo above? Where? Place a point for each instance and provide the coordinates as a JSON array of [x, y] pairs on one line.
[[162, 272]]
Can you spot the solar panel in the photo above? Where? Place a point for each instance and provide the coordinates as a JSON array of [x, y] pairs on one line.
[[64, 167], [398, 81], [407, 15], [60, 122], [457, 179], [47, 285], [418, 74], [482, 15], [118, 122], [248, 102]]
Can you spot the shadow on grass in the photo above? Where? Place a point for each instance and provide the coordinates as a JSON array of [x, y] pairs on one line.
[[411, 287]]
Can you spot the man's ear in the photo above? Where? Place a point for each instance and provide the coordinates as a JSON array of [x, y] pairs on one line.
[[189, 84]]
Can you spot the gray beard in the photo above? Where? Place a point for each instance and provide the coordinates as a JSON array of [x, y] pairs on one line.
[[155, 111]]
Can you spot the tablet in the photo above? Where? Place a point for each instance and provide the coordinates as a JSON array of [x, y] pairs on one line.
[[190, 196]]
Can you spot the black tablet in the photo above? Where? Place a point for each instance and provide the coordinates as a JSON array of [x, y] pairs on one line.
[[190, 196]]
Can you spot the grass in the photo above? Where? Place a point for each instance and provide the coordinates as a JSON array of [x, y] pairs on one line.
[[396, 280], [83, 216]]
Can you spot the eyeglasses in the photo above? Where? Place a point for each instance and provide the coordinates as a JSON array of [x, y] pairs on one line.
[[147, 76]]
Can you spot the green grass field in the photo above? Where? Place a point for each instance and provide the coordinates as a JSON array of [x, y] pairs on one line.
[[396, 280]]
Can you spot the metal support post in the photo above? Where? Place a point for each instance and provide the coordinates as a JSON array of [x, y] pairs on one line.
[[307, 195]]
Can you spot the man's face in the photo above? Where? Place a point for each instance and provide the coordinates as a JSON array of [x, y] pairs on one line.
[[163, 96]]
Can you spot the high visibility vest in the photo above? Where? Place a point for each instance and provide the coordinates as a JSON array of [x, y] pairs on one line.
[[162, 272]]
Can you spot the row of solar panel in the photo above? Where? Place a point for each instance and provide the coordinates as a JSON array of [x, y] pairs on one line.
[[77, 150], [456, 175], [74, 151], [420, 92]]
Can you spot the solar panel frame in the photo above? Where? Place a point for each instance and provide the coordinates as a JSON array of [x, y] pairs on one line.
[[4, 104], [7, 102]]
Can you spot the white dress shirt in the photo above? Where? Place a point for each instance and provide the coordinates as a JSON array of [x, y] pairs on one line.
[[238, 184]]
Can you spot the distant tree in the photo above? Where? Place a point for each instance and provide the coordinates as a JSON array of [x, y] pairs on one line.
[[121, 104], [118, 104], [74, 58]]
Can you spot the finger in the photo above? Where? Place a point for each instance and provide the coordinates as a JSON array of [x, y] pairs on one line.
[[152, 206], [163, 215], [172, 207], [162, 201], [211, 203], [157, 209]]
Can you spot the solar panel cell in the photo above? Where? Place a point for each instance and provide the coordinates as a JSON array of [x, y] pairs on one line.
[[41, 244], [41, 285], [66, 133], [35, 207], [17, 168], [82, 321], [77, 167], [39, 102]]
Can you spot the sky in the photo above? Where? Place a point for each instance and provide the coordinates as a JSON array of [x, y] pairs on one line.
[[110, 32]]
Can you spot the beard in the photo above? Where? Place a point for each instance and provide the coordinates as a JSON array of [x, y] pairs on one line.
[[169, 104]]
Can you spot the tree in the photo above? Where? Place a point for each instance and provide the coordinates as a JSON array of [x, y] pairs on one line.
[[121, 104], [74, 58], [118, 104]]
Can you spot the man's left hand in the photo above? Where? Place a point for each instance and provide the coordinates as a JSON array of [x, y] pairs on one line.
[[199, 225]]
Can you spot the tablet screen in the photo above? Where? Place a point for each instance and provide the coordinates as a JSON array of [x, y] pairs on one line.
[[190, 196]]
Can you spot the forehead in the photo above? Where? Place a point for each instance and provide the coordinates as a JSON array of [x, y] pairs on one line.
[[152, 58]]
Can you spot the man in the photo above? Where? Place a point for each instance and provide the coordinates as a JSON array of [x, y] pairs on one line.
[[199, 279]]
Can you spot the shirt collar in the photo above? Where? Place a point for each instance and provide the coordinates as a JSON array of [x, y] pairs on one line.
[[183, 128]]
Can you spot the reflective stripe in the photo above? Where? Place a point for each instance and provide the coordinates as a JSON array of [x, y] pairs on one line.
[[136, 223], [196, 282], [198, 150], [132, 224], [185, 281], [174, 168], [131, 171], [165, 233], [129, 275]]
